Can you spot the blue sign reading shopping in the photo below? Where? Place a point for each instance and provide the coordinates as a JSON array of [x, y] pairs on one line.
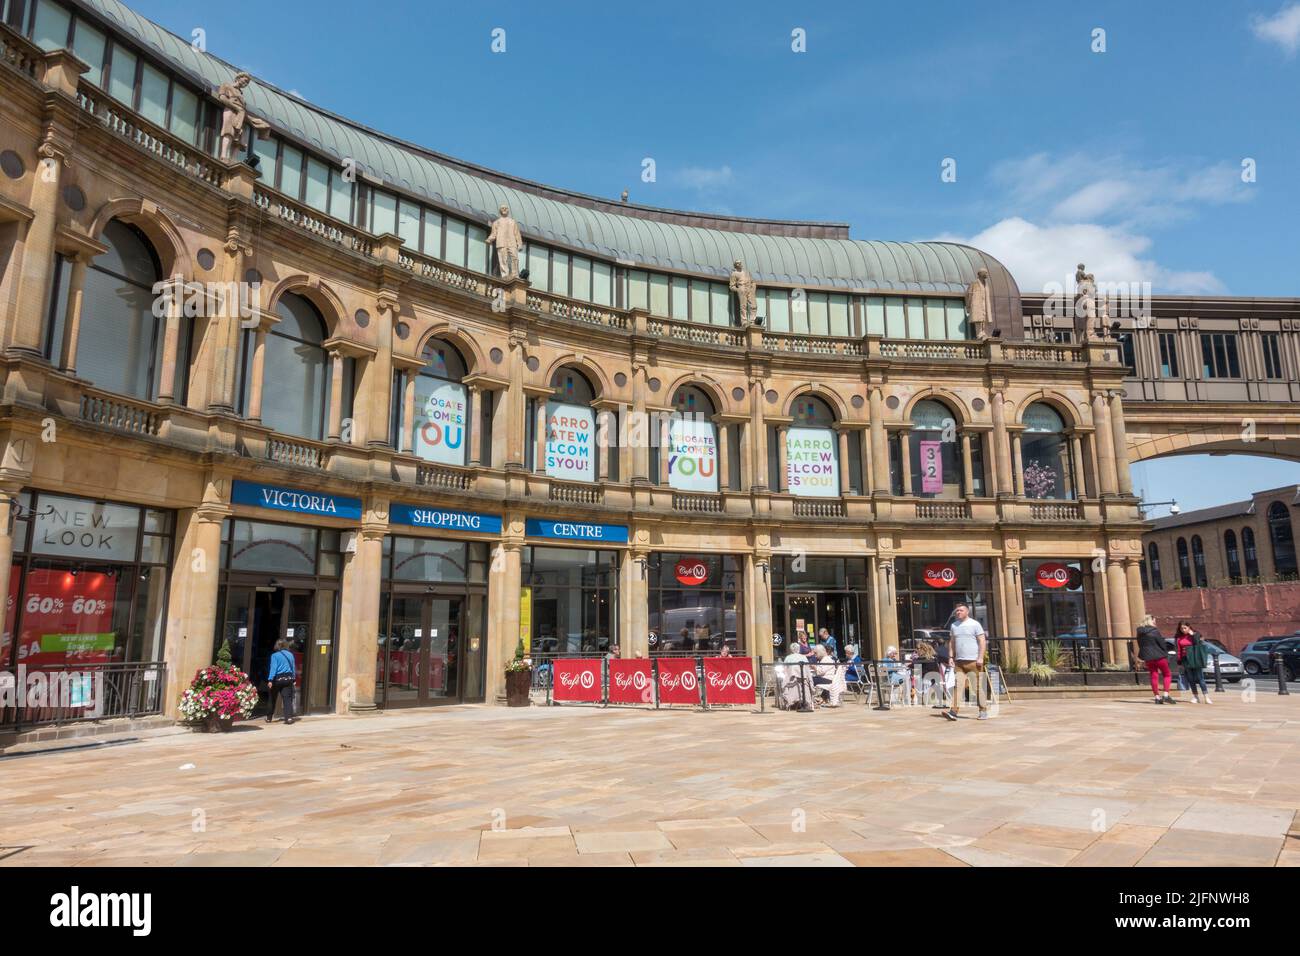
[[443, 518], [294, 499], [576, 531]]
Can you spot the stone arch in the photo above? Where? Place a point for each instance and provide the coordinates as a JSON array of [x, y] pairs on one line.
[[167, 241], [594, 373], [961, 414], [707, 384], [468, 347], [318, 293], [1178, 433], [1059, 403], [830, 397]]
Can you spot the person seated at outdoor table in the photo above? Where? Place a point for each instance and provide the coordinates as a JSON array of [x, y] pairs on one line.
[[828, 676], [894, 667], [725, 652], [853, 672]]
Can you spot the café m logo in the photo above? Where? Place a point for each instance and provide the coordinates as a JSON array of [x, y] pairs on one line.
[[77, 909]]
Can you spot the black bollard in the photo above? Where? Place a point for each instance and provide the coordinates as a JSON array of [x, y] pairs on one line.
[[1279, 668], [1218, 676]]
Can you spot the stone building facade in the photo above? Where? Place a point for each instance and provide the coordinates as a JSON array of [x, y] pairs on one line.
[[300, 400]]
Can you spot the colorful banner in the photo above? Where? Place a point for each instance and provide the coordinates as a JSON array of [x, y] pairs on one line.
[[630, 682], [940, 575], [292, 499], [692, 455], [1052, 575], [421, 517], [729, 680], [691, 572], [526, 618], [570, 442], [576, 679], [931, 466], [67, 618], [811, 463], [576, 531], [677, 681], [441, 409]]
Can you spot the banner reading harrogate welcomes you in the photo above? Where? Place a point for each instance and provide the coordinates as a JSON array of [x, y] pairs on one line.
[[692, 455], [440, 409], [811, 464], [570, 442]]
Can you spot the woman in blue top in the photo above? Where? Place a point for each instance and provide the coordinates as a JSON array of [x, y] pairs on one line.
[[280, 680]]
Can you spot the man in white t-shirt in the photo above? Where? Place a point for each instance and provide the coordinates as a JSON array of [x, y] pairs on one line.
[[966, 645]]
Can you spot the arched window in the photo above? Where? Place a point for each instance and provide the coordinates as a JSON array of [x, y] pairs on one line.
[[1153, 559], [441, 406], [120, 345], [1248, 548], [1283, 539], [294, 371], [1184, 565], [1045, 454], [812, 457], [692, 442], [1234, 556], [935, 452], [1198, 561], [571, 427]]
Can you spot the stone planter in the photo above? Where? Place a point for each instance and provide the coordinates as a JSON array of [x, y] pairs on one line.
[[518, 684], [1110, 678], [218, 725]]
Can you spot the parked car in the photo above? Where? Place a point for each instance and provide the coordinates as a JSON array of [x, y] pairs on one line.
[[1230, 667], [1257, 656], [1290, 660]]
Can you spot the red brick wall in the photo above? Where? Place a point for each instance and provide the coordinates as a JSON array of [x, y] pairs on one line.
[[1234, 615]]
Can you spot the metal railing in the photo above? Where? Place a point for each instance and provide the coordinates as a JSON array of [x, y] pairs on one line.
[[77, 693]]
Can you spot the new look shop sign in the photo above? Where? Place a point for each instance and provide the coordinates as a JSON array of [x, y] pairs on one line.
[[296, 500], [576, 531]]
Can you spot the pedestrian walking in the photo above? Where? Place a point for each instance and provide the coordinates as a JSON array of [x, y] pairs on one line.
[[280, 681], [1154, 653], [967, 644], [1193, 655]]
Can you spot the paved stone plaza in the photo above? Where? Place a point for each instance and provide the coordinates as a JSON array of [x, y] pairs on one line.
[[1068, 782]]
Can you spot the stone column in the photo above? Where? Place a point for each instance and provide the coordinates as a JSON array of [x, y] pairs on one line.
[[1123, 476], [758, 440], [408, 411], [513, 436], [639, 426], [886, 604], [1137, 608], [25, 332], [359, 615], [1013, 611], [224, 379], [1117, 599], [864, 448], [259, 369], [67, 360], [843, 436], [634, 597], [1104, 438], [379, 390], [8, 495], [193, 599], [758, 606], [473, 436], [336, 395], [665, 451], [968, 482], [1017, 466], [503, 609], [1001, 446], [171, 339], [1077, 468], [782, 460], [746, 433], [879, 445], [539, 450], [723, 431], [905, 454]]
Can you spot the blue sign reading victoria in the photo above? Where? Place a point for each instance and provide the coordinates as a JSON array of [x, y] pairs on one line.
[[293, 499], [576, 531], [442, 518]]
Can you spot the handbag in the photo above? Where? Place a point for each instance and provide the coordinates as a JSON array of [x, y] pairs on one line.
[[284, 679]]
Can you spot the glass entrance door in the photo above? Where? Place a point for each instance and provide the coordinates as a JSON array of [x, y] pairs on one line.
[[426, 657], [803, 617], [255, 617], [808, 613]]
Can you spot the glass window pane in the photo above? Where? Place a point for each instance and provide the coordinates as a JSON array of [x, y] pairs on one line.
[[340, 196], [936, 325], [778, 307], [875, 315], [408, 225], [957, 325], [915, 318], [88, 43], [799, 311], [263, 149], [720, 304], [185, 113], [838, 306], [384, 215], [699, 301], [121, 85], [539, 267], [432, 234], [478, 250], [679, 299], [818, 320], [291, 172], [602, 284], [50, 31], [318, 184], [581, 278], [658, 295], [456, 232], [288, 549], [153, 94], [638, 290], [895, 321], [560, 273]]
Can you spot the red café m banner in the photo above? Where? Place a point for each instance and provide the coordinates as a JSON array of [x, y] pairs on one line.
[[576, 679], [630, 682], [677, 681], [729, 680]]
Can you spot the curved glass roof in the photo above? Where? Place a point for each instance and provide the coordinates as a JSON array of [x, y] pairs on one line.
[[824, 262]]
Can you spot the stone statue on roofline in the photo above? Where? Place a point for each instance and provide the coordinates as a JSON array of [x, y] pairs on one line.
[[507, 238], [979, 305], [742, 283], [235, 118], [1089, 311]]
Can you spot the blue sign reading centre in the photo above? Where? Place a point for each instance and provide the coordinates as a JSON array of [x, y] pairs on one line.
[[442, 518], [576, 531], [292, 499]]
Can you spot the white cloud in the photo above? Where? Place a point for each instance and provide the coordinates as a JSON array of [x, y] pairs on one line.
[[1042, 256], [703, 178], [1283, 28]]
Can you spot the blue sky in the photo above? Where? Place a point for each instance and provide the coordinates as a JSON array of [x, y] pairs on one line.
[[1129, 160]]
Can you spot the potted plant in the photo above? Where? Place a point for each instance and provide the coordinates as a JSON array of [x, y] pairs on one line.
[[519, 678], [1042, 673], [219, 695]]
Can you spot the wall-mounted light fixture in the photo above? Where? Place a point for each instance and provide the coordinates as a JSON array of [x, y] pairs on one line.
[[641, 563]]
